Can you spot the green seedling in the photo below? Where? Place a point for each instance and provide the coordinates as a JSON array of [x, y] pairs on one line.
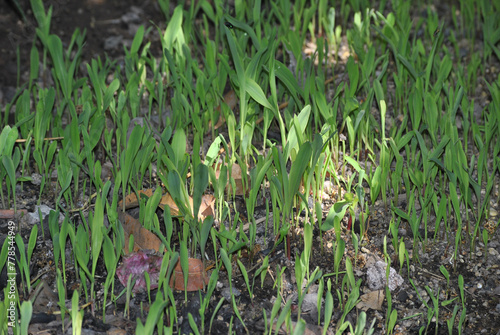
[[127, 158], [256, 176], [10, 162], [401, 254], [286, 185], [446, 275], [388, 324], [361, 325], [328, 306], [23, 262], [111, 263], [228, 266], [192, 323], [98, 231], [245, 277], [76, 314], [339, 255], [184, 259], [392, 321], [216, 309], [434, 311], [351, 302], [61, 292], [486, 237], [26, 312], [205, 300], [355, 243], [156, 311], [451, 321], [284, 315]]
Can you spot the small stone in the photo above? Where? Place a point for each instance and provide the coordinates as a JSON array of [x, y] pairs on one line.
[[112, 42], [36, 179], [226, 293], [402, 296], [310, 305], [376, 277], [34, 218], [493, 212]]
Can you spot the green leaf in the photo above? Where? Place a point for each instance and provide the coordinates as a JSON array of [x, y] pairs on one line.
[[174, 30], [296, 172], [292, 141], [245, 27], [227, 263], [96, 228], [184, 262], [337, 212], [205, 232], [26, 313], [408, 66], [178, 147], [256, 92], [289, 81], [136, 43], [32, 241], [200, 185]]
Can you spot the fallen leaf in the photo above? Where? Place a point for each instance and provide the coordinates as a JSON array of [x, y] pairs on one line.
[[143, 238], [236, 174], [206, 208], [197, 276], [44, 299], [119, 325], [167, 200], [11, 214], [137, 264], [131, 199], [371, 300]]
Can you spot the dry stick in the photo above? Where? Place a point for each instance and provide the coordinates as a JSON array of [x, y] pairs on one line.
[[22, 140], [86, 205], [247, 225], [11, 214]]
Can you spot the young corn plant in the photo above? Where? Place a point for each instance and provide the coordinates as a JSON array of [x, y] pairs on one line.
[[287, 185]]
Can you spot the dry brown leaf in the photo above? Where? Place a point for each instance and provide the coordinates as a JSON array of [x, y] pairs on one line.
[[143, 238], [197, 276], [371, 300], [44, 300], [207, 207], [12, 214], [167, 200], [131, 199], [236, 174]]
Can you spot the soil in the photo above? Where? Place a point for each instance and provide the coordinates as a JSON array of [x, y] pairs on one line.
[[111, 24]]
